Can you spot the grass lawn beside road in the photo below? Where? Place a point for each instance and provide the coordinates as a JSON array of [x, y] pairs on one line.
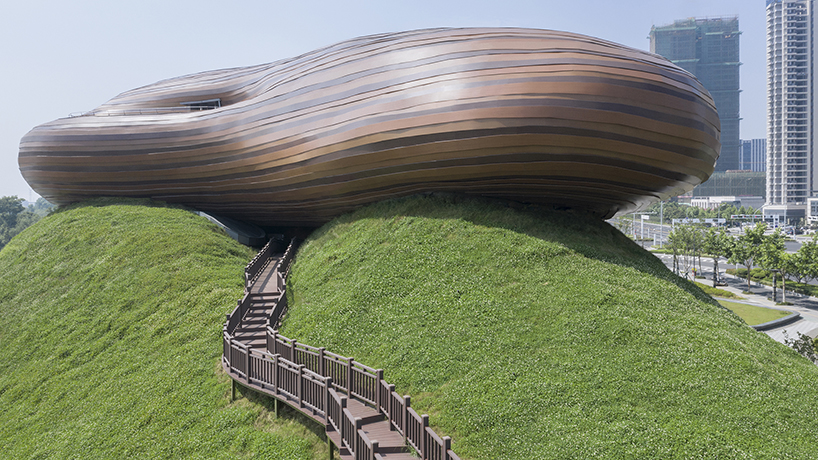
[[716, 292], [752, 314]]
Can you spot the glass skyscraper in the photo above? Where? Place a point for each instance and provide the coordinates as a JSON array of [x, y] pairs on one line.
[[709, 49], [753, 155]]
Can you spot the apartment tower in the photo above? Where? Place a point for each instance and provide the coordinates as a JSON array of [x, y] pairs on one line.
[[791, 169], [709, 49]]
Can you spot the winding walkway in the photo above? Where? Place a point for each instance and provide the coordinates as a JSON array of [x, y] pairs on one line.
[[364, 418]]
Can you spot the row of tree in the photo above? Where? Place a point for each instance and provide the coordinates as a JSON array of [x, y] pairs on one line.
[[14, 217], [672, 210], [752, 248]]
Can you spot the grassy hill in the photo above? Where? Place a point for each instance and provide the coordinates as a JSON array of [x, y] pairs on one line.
[[535, 335], [110, 335]]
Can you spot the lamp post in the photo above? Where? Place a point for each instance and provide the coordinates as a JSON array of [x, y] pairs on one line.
[[775, 272], [661, 221]]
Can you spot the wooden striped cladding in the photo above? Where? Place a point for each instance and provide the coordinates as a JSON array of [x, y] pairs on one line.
[[536, 116]]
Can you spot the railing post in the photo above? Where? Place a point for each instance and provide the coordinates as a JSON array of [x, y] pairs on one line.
[[275, 376], [424, 419], [356, 437], [292, 351], [300, 385], [405, 415], [327, 399], [226, 350], [247, 364], [378, 378], [389, 407], [238, 310], [230, 350], [321, 362], [374, 449], [447, 445], [349, 376], [341, 422], [275, 342]]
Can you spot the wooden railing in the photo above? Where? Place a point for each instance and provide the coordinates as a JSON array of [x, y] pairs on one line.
[[318, 383], [257, 264]]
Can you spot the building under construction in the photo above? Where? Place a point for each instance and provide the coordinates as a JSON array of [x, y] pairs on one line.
[[709, 49]]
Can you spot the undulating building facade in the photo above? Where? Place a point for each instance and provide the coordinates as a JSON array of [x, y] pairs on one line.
[[534, 116], [709, 49], [791, 166]]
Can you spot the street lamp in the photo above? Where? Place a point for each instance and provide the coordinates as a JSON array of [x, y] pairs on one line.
[[642, 230], [661, 221], [775, 271]]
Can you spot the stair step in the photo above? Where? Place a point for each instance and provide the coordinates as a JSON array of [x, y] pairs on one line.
[[262, 306], [388, 441], [397, 456], [265, 295], [366, 413], [255, 316]]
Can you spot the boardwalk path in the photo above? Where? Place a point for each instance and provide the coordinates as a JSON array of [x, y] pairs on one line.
[[363, 415]]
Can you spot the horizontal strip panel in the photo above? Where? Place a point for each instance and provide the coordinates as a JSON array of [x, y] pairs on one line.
[[522, 114]]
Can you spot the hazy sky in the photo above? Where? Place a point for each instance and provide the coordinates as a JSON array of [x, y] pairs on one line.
[[66, 56]]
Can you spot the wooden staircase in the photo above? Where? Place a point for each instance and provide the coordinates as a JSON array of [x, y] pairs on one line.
[[363, 416]]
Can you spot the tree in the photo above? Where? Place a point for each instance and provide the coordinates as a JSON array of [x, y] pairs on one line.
[[804, 345], [718, 244], [14, 218], [10, 207], [789, 266], [686, 242], [41, 207], [799, 271], [748, 248], [697, 244], [775, 258], [726, 210], [807, 260]]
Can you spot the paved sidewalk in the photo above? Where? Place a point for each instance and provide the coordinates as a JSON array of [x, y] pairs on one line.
[[761, 296]]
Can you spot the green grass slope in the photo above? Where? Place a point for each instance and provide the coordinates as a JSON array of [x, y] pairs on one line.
[[543, 335], [110, 335]]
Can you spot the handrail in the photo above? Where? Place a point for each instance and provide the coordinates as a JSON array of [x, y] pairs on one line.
[[318, 383], [257, 264], [287, 259], [233, 320]]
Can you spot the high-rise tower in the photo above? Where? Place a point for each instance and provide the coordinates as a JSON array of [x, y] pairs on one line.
[[791, 167], [709, 49]]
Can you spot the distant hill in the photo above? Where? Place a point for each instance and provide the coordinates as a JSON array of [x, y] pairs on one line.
[[110, 335], [530, 334]]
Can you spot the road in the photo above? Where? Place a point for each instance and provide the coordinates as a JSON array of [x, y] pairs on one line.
[[656, 234], [761, 294]]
